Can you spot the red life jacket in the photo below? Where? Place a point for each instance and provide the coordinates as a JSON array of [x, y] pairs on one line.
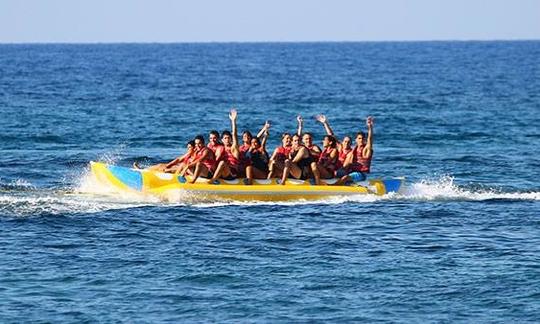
[[244, 148], [210, 159], [343, 155], [189, 158], [282, 153], [326, 161], [217, 148], [231, 159], [361, 163]]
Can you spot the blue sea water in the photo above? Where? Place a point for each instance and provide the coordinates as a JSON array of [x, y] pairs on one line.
[[460, 120]]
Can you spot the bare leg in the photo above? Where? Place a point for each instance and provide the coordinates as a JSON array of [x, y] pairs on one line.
[[199, 169], [286, 170], [258, 174], [159, 167], [219, 170], [324, 173], [275, 169], [156, 167], [175, 168], [271, 167], [295, 171], [316, 174], [342, 180], [249, 175], [190, 171]]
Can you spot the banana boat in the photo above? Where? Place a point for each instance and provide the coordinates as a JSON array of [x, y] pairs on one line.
[[122, 179]]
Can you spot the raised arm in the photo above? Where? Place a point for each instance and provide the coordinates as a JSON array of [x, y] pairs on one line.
[[263, 129], [265, 135], [323, 120], [300, 125], [232, 116], [178, 160], [273, 157], [369, 143]]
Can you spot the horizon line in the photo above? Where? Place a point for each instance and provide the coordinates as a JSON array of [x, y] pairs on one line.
[[268, 41]]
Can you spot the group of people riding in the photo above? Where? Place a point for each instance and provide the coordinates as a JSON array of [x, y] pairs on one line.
[[297, 157]]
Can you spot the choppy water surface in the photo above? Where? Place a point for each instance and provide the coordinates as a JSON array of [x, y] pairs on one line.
[[458, 119]]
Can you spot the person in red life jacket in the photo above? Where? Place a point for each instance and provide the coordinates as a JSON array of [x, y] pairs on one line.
[[174, 165], [277, 160], [200, 164], [180, 162], [216, 146], [230, 166], [358, 162], [328, 160], [307, 139], [246, 141], [300, 164], [258, 160], [314, 150], [344, 147]]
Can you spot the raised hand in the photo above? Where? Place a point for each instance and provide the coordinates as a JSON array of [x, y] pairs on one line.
[[299, 119], [321, 118], [369, 121], [233, 114], [266, 125]]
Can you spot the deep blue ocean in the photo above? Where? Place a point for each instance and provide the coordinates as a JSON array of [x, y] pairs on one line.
[[460, 120]]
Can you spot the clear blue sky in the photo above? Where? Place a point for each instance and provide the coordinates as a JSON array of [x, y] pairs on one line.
[[271, 20]]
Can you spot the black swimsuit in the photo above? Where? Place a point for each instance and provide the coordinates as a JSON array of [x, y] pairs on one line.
[[304, 165], [258, 159]]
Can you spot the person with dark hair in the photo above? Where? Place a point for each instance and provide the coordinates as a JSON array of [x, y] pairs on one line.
[[226, 133], [344, 147], [216, 146], [246, 141], [281, 153], [300, 164], [201, 164], [257, 158], [358, 162], [328, 160], [247, 137], [307, 139], [230, 166], [314, 150], [174, 165]]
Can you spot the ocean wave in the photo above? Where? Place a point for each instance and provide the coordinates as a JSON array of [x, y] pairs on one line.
[[89, 196], [59, 203], [17, 185], [444, 189]]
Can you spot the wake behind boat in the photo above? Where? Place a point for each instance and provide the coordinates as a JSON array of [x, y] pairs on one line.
[[121, 179]]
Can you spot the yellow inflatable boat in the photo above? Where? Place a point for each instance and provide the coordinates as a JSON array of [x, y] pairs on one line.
[[161, 184]]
